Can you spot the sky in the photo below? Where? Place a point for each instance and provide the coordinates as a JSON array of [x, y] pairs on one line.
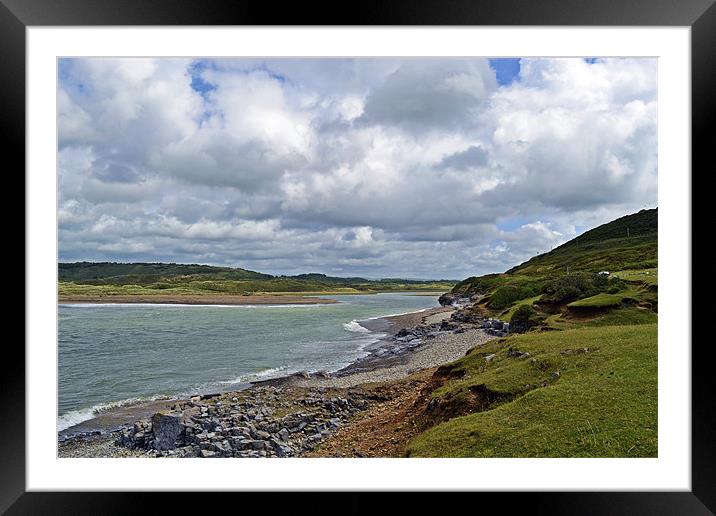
[[434, 168]]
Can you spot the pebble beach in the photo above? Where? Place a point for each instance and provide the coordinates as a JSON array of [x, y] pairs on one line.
[[286, 416]]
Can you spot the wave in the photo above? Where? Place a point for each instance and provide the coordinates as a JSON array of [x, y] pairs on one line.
[[264, 374], [401, 313], [75, 417], [355, 327]]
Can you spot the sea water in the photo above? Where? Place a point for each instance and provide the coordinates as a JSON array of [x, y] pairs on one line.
[[110, 355]]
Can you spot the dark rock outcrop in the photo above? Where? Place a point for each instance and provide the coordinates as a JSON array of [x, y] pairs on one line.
[[166, 428]]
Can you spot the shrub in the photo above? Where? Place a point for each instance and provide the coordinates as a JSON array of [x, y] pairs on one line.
[[523, 319], [579, 285], [504, 296]]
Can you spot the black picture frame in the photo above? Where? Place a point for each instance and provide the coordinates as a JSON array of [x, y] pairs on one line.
[[699, 15]]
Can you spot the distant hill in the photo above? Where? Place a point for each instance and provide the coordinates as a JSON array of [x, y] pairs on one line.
[[141, 273], [629, 242], [111, 278]]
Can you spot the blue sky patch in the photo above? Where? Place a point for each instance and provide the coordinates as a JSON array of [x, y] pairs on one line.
[[507, 69], [512, 223]]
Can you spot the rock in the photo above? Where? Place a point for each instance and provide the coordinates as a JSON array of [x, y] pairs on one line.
[[489, 358], [263, 435], [555, 375], [257, 445], [167, 428], [515, 353], [284, 451], [283, 434], [207, 454], [450, 299]]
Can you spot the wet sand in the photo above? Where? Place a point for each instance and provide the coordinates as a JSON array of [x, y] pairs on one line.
[[197, 300]]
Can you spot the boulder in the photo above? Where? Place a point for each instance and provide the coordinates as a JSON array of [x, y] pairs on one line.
[[167, 428]]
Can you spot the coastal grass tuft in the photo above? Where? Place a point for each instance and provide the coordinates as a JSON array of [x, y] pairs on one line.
[[585, 392], [598, 301]]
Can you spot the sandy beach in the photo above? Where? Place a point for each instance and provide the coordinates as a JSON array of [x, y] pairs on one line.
[[197, 300]]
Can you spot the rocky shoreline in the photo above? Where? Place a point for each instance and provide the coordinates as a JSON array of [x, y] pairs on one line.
[[290, 416]]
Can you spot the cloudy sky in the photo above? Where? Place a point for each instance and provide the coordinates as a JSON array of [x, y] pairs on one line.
[[420, 168]]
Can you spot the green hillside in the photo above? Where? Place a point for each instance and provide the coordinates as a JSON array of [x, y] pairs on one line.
[[142, 273], [569, 272], [110, 278], [577, 375], [625, 243]]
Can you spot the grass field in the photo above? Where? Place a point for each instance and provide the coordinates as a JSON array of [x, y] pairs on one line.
[[598, 301], [586, 392], [645, 276]]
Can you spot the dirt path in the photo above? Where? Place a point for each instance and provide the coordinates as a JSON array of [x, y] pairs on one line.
[[385, 429]]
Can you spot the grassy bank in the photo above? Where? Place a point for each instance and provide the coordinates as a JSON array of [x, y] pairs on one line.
[[586, 392], [581, 381]]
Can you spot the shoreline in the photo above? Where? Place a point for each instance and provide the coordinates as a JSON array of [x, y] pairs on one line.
[[378, 368], [198, 300], [113, 417]]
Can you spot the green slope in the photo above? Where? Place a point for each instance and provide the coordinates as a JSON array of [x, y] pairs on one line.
[[586, 392], [109, 278], [628, 242], [141, 273], [585, 388]]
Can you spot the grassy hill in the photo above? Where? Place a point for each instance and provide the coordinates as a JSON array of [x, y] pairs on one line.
[[625, 243], [578, 375], [569, 272], [143, 273], [109, 278]]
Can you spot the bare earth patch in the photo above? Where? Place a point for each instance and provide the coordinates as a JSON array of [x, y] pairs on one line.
[[386, 427]]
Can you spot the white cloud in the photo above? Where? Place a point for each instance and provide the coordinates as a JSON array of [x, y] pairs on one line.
[[381, 167]]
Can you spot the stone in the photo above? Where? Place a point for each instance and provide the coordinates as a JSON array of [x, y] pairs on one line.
[[489, 358], [284, 451], [167, 428], [206, 454], [257, 445]]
